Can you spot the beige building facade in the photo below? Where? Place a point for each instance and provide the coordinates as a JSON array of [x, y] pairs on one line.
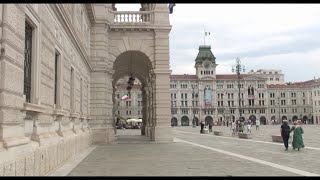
[[58, 68], [264, 95]]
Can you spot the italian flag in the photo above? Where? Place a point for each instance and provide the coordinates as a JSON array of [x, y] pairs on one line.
[[125, 97], [207, 33]]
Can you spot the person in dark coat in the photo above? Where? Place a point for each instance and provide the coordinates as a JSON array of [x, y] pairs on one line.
[[285, 133], [202, 127]]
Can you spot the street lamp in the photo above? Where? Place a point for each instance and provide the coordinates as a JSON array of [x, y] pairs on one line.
[[278, 103], [194, 95], [238, 70]]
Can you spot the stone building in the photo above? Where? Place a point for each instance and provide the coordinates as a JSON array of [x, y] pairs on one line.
[[58, 68], [271, 98], [263, 94]]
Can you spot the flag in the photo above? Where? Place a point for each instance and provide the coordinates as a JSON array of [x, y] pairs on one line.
[[207, 33], [125, 97], [171, 5]]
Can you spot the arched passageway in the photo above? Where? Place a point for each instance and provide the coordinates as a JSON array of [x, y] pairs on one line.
[[174, 121], [208, 120], [253, 119], [263, 120], [294, 118], [184, 121]]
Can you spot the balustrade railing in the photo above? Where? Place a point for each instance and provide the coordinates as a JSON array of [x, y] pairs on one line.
[[123, 17]]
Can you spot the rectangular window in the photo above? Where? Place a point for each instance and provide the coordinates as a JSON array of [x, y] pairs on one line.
[[27, 61], [81, 95], [72, 90], [56, 77]]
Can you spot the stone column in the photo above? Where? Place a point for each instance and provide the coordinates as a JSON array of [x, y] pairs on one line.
[[147, 102], [163, 130], [12, 18], [143, 111], [110, 107], [101, 106]]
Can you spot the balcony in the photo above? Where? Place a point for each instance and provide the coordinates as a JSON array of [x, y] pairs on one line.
[[132, 17]]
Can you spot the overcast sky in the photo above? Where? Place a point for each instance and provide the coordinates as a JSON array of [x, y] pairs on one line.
[[263, 36]]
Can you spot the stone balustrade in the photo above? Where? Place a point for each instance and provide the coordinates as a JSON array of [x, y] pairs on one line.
[[136, 17]]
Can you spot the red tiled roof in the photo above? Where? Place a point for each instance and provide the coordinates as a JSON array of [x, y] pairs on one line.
[[230, 76], [183, 76]]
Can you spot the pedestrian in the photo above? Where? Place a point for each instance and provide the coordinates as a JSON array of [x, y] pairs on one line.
[[297, 140], [233, 127], [237, 127], [210, 127], [241, 127], [202, 127], [227, 123], [249, 127], [257, 124], [285, 133]]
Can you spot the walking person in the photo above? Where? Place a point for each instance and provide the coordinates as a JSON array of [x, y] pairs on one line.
[[285, 133], [233, 128], [249, 127], [202, 127], [297, 140], [257, 124], [241, 127], [210, 127]]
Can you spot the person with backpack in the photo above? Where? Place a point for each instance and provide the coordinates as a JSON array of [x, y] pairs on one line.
[[285, 133]]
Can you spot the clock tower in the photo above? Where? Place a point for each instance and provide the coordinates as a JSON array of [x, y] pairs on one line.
[[205, 63]]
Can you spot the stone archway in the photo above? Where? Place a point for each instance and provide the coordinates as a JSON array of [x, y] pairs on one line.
[[196, 121], [184, 121], [174, 121], [208, 120], [305, 119], [285, 118], [253, 119], [263, 120], [294, 118]]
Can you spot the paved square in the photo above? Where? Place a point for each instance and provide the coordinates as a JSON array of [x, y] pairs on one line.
[[195, 154]]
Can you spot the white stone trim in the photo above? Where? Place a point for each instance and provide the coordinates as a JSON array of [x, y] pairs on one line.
[[34, 21], [60, 66]]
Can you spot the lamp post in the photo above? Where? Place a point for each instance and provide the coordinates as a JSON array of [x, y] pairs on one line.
[[238, 70], [194, 95], [278, 103]]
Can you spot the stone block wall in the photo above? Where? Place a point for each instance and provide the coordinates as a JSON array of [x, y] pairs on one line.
[[37, 137]]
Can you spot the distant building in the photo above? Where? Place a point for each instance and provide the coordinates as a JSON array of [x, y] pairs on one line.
[[210, 97]]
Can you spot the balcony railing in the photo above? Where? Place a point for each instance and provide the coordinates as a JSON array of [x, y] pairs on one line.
[[132, 17]]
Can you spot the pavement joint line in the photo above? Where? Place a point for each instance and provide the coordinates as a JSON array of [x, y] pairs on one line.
[[313, 148], [66, 167], [278, 166]]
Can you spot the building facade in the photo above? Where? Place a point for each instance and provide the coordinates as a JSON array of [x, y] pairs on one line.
[[264, 95], [58, 68], [210, 97]]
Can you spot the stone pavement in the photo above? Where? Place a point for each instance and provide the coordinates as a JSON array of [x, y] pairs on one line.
[[197, 154]]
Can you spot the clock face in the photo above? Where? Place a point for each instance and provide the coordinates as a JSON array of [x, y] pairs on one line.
[[206, 65]]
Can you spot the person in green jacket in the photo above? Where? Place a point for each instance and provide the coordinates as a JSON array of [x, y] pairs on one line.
[[297, 141], [241, 129]]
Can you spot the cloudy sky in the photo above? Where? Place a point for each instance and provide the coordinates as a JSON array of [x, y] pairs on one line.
[[263, 36]]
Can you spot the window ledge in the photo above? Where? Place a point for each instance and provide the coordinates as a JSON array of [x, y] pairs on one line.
[[74, 115], [33, 107], [59, 112]]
